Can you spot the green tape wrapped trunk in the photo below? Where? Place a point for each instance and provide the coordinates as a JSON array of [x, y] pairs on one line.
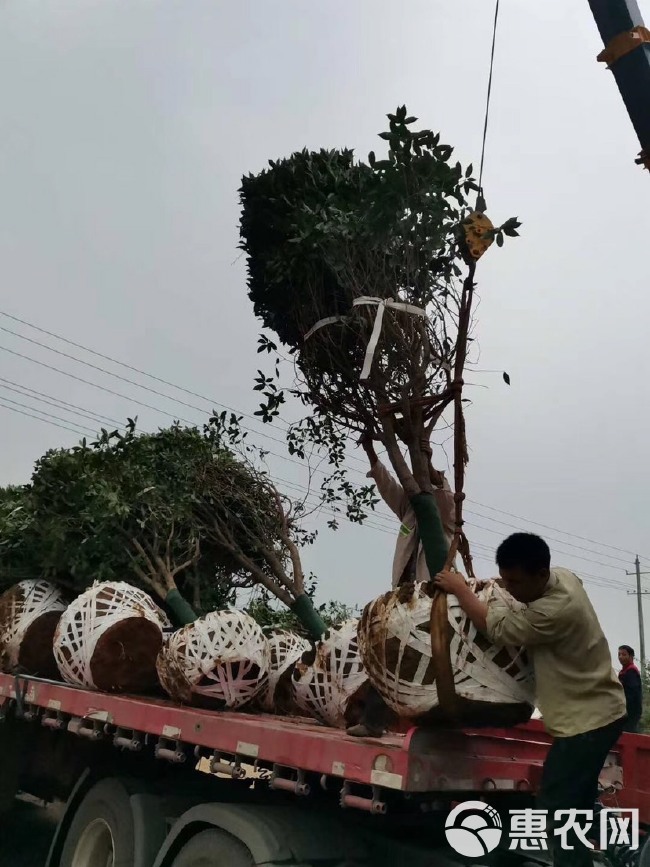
[[431, 532], [304, 610], [181, 611]]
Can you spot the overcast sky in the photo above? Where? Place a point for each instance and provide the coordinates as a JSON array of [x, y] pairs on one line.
[[125, 128]]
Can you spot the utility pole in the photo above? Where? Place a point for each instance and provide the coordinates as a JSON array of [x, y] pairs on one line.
[[639, 594]]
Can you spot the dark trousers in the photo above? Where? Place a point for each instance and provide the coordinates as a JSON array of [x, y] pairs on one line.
[[632, 724], [570, 781], [376, 713]]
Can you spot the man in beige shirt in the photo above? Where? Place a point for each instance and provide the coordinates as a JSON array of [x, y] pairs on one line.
[[578, 693]]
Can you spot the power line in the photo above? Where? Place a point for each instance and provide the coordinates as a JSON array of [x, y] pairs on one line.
[[554, 529], [322, 506], [103, 370], [600, 580], [192, 422], [212, 402], [38, 418], [58, 418], [351, 458], [167, 413], [89, 382], [129, 397], [188, 421], [123, 364], [43, 412], [42, 397], [590, 578], [385, 527], [378, 515], [548, 538], [594, 579], [567, 553]]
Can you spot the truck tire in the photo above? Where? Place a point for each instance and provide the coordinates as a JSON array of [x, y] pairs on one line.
[[213, 848], [101, 833]]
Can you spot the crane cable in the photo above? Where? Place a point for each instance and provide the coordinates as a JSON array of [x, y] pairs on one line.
[[480, 198]]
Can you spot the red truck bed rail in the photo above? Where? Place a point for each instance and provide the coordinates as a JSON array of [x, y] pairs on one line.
[[418, 762]]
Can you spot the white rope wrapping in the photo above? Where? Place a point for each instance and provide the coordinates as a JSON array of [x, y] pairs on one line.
[[86, 620], [382, 304], [324, 688], [21, 606], [223, 657], [395, 645], [285, 649]]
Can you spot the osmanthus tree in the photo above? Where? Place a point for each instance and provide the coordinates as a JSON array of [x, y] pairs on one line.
[[365, 274], [258, 530], [119, 509], [176, 511]]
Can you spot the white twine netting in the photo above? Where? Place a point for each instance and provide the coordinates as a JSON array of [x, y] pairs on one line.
[[223, 657], [88, 618], [325, 687], [21, 606], [395, 645], [285, 649]]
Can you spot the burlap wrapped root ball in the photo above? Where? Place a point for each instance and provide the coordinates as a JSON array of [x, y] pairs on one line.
[[329, 682], [494, 685], [29, 614], [219, 661], [109, 639], [285, 651]]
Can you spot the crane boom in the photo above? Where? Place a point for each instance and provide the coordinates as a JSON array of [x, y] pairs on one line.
[[627, 54]]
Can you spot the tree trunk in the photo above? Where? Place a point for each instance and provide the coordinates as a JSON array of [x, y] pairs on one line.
[[196, 591]]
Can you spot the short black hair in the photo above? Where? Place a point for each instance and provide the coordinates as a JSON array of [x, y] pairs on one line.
[[529, 552], [628, 648]]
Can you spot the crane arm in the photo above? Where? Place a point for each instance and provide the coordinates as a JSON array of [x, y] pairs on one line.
[[627, 54]]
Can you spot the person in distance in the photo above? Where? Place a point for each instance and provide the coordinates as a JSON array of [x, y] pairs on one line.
[[630, 678]]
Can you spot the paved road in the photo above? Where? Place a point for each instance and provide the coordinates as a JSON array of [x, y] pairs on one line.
[[25, 835]]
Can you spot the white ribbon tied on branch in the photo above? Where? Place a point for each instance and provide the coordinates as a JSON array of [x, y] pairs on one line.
[[382, 304]]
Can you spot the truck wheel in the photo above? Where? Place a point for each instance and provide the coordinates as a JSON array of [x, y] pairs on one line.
[[101, 833], [213, 848]]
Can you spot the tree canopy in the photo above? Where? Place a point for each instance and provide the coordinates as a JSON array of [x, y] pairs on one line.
[[365, 271], [328, 237], [173, 510]]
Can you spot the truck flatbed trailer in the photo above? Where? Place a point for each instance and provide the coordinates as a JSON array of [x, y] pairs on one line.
[[417, 762], [281, 790]]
